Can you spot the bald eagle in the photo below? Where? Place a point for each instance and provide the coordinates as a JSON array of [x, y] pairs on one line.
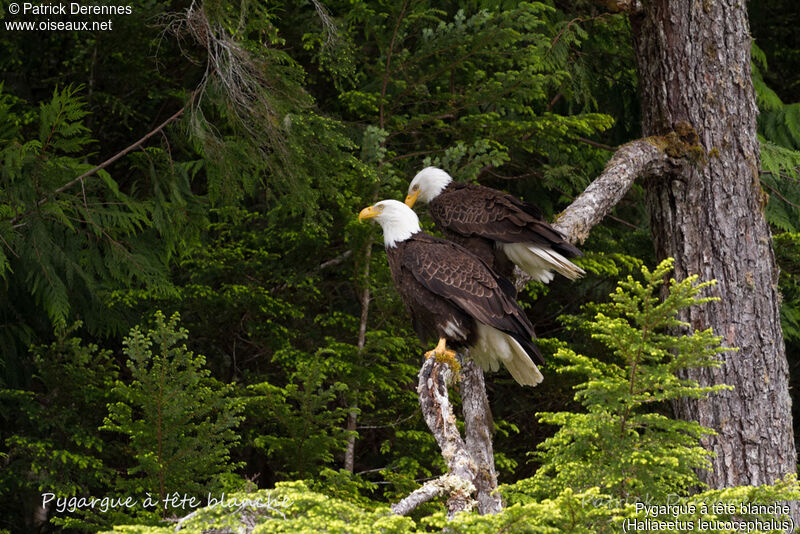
[[494, 225], [454, 295]]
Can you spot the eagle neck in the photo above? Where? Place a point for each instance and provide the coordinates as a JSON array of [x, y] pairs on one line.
[[442, 193], [398, 233], [439, 207], [439, 187]]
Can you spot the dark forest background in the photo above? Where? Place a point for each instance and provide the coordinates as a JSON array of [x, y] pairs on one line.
[[205, 314]]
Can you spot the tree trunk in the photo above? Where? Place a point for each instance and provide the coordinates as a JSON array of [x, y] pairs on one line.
[[694, 71]]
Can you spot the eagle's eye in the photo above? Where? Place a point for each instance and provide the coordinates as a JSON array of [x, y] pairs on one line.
[[415, 188]]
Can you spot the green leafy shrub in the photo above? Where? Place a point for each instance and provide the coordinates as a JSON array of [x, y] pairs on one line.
[[181, 422], [623, 442], [49, 431]]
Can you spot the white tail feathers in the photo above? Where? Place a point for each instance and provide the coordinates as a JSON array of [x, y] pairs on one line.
[[493, 347], [539, 261]]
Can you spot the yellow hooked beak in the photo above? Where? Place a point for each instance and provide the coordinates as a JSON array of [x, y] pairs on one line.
[[368, 213], [411, 198]]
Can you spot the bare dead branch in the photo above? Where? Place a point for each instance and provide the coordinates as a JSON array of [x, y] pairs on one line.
[[335, 261], [637, 159], [437, 411], [328, 25], [243, 78], [103, 165], [596, 144], [478, 430], [612, 217], [633, 160], [779, 195], [444, 485]]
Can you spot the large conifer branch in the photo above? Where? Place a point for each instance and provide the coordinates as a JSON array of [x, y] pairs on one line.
[[142, 140]]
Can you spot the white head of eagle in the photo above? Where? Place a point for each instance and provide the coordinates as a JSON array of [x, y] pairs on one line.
[[427, 185], [399, 222]]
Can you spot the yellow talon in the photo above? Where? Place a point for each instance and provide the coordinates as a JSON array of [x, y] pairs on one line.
[[440, 349], [443, 354]]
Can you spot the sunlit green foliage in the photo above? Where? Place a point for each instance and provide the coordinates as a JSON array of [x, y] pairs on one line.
[[180, 421], [293, 507], [620, 443]]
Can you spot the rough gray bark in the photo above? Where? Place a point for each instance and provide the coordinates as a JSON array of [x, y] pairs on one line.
[[447, 484], [458, 484], [639, 158], [479, 427], [694, 71], [470, 461]]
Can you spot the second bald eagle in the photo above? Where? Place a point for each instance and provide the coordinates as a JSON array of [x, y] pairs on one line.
[[496, 226]]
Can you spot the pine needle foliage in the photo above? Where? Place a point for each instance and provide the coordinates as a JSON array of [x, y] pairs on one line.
[[181, 422], [269, 297], [779, 135], [65, 242], [623, 443], [588, 495], [466, 88], [309, 423], [300, 425], [298, 508], [49, 431], [781, 123]]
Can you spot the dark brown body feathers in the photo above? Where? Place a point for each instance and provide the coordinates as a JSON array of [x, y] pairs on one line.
[[446, 289], [476, 217]]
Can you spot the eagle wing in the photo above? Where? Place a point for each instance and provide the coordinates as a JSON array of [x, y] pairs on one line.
[[451, 272], [474, 210]]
